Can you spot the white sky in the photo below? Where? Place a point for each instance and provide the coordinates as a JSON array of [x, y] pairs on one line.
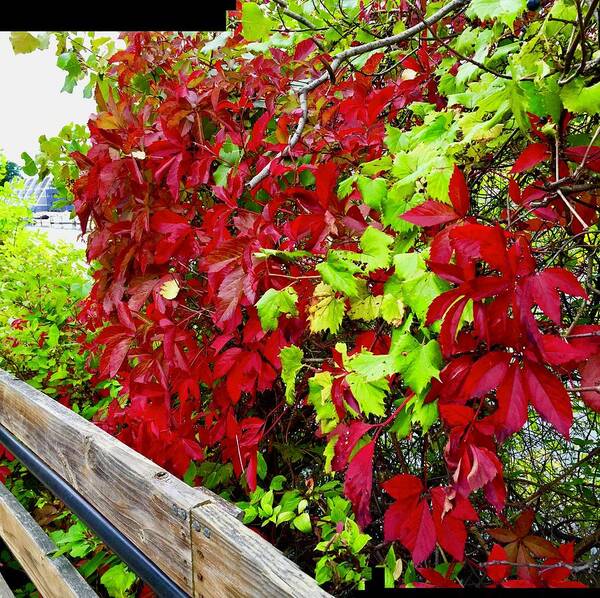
[[31, 103]]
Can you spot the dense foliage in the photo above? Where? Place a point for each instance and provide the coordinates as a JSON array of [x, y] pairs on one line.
[[41, 284], [347, 274]]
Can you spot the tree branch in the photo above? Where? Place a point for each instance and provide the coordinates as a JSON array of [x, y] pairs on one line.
[[543, 489], [335, 64], [300, 19]]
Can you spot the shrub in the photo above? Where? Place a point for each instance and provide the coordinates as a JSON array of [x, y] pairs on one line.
[[41, 284], [384, 277]]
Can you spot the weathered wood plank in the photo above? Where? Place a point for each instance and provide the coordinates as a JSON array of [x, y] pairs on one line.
[[5, 591], [149, 505], [53, 577], [232, 561]]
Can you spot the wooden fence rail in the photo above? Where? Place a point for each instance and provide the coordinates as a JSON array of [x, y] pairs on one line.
[[34, 549], [194, 536]]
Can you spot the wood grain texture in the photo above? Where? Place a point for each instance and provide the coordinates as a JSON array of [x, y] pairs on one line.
[[5, 591], [53, 577], [147, 504], [232, 561]]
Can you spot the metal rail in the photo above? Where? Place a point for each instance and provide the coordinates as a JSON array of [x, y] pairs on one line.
[[108, 533]]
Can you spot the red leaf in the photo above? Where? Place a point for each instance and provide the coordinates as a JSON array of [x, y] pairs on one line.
[[565, 281], [409, 520], [226, 253], [481, 242], [497, 573], [304, 48], [124, 315], [590, 376], [548, 396], [358, 483], [449, 521], [514, 191], [258, 131], [114, 355], [557, 351], [512, 403], [592, 161], [430, 213], [544, 287], [440, 305], [531, 156], [523, 523], [459, 192], [167, 222], [230, 294], [518, 583], [486, 374], [485, 467], [348, 436], [404, 488], [495, 491], [450, 326], [436, 579]]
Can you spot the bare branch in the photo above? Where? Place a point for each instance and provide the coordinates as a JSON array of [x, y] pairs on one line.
[[300, 19], [546, 487], [335, 64]]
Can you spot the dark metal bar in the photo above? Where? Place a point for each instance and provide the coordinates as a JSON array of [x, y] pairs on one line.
[[106, 531]]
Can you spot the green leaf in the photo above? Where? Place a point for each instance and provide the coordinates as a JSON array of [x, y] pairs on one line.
[[90, 566], [376, 245], [376, 166], [345, 186], [335, 273], [230, 152], [118, 580], [426, 415], [326, 312], [395, 139], [53, 334], [409, 265], [329, 453], [417, 363], [29, 167], [291, 364], [578, 98], [261, 466], [370, 395], [402, 423], [220, 174], [418, 293], [392, 309], [69, 62], [277, 482], [505, 11], [302, 523], [284, 255], [365, 308], [373, 191], [266, 502], [372, 367], [256, 26], [274, 303], [319, 396], [23, 42]]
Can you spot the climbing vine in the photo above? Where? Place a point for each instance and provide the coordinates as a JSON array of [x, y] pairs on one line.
[[347, 273]]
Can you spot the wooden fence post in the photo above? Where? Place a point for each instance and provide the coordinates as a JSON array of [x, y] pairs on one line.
[[232, 561]]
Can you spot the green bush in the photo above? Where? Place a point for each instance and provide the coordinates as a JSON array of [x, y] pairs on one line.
[[41, 284]]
